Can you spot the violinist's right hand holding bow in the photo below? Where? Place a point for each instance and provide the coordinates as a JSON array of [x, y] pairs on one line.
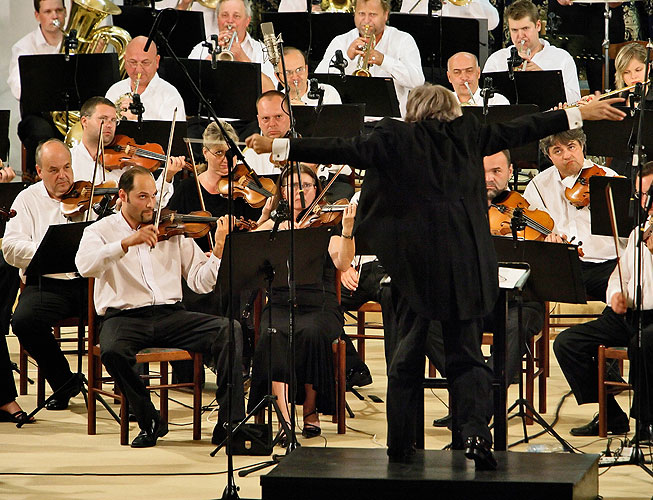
[[221, 232], [145, 234], [618, 303]]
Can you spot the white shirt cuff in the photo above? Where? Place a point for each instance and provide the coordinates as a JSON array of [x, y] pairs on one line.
[[280, 149], [574, 117]]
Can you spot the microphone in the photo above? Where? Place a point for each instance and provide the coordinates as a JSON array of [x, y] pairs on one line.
[[514, 60], [71, 43], [281, 213], [270, 41], [339, 62], [314, 90], [153, 30]]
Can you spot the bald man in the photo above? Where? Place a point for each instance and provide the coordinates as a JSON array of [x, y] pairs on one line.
[[463, 68], [159, 98]]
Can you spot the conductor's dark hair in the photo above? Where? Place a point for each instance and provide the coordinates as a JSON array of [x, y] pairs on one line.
[[37, 5], [126, 182]]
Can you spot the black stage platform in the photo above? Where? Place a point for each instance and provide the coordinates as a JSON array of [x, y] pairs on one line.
[[354, 473]]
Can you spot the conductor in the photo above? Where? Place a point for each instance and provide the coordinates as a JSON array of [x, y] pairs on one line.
[[424, 214]]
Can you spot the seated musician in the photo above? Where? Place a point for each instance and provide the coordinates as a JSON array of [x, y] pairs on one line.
[[546, 191], [524, 25], [576, 347], [98, 111], [297, 75], [394, 54], [234, 16], [45, 39], [476, 9], [138, 293], [319, 320], [45, 300], [463, 73], [159, 98]]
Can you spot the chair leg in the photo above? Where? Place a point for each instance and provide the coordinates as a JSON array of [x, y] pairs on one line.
[[23, 371], [40, 387], [124, 421], [163, 367], [197, 396], [542, 346], [92, 403], [341, 385], [603, 420], [530, 381], [360, 330]]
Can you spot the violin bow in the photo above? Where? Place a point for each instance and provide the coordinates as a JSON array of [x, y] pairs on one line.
[[100, 150], [165, 169], [615, 235], [199, 188], [319, 197]]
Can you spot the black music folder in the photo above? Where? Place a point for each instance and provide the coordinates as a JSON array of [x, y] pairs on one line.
[[377, 93], [543, 88], [331, 120], [608, 138], [57, 250], [601, 224]]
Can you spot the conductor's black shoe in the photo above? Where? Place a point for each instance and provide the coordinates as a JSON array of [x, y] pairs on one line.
[[444, 421], [645, 437], [616, 425], [359, 377], [401, 455], [219, 433], [479, 449], [147, 437], [71, 389]]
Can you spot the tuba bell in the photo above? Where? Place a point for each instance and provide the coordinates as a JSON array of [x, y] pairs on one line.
[[337, 6], [85, 17]]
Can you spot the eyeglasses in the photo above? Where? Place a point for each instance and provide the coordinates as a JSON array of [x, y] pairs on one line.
[[299, 71], [144, 64], [305, 186], [218, 154]]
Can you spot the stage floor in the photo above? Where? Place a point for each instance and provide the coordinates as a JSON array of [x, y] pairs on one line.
[[55, 458]]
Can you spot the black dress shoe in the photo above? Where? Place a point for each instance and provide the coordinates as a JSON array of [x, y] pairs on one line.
[[645, 436], [444, 421], [616, 425], [478, 449], [358, 378], [147, 437], [401, 455], [69, 390]]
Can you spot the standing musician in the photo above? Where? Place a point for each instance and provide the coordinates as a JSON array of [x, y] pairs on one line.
[[45, 39], [138, 293], [475, 9], [463, 73], [96, 112], [234, 17], [576, 347], [159, 98], [319, 320], [393, 53], [46, 300], [438, 152], [524, 24], [546, 191]]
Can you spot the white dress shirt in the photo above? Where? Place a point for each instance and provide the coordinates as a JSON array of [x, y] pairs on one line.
[[331, 96], [629, 271], [159, 98], [252, 48], [260, 163], [83, 164], [293, 6], [568, 219], [36, 211], [142, 276], [549, 58], [33, 43], [495, 100], [401, 60], [477, 9]]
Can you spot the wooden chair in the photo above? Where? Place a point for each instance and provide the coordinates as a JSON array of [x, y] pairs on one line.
[[163, 356], [362, 325], [608, 386]]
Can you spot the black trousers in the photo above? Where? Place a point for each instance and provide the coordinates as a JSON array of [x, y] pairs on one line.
[[470, 379], [596, 276], [532, 322], [9, 282], [124, 333], [576, 351], [40, 306], [33, 129]]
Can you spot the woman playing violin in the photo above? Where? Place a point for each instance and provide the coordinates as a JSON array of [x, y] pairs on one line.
[[318, 319]]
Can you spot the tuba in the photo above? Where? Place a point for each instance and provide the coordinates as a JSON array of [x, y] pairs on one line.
[[85, 17], [337, 6]]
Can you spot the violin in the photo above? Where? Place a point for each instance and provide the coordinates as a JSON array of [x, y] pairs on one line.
[[124, 152], [245, 186], [323, 214], [579, 194], [5, 214], [538, 223], [78, 198], [193, 225]]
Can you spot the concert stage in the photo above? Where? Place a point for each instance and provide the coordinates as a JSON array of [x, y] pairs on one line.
[[355, 473]]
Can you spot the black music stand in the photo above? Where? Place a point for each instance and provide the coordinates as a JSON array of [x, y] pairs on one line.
[[4, 134], [378, 94], [185, 28], [526, 87], [621, 188], [232, 88], [70, 83], [260, 260], [331, 120], [503, 113], [156, 131], [608, 138]]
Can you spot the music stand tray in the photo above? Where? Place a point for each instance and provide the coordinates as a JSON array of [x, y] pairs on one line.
[[57, 250], [601, 215], [526, 88], [332, 120], [378, 94]]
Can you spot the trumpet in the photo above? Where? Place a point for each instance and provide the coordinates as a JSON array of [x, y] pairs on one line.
[[528, 53], [226, 54], [123, 102], [363, 68], [298, 98]]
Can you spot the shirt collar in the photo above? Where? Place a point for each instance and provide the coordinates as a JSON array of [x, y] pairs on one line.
[[40, 39]]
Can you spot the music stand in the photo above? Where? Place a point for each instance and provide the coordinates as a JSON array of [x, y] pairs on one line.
[[621, 187], [526, 87], [331, 120], [608, 138], [70, 83], [499, 114], [377, 93], [232, 88], [4, 134], [295, 28], [8, 193], [156, 131], [185, 28]]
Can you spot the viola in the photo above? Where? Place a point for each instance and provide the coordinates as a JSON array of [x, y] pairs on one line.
[[78, 198], [579, 194], [124, 152], [245, 186], [538, 223], [193, 225], [323, 214]]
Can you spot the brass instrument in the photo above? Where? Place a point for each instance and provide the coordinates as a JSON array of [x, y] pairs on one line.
[[337, 6], [363, 68], [298, 98], [471, 101], [459, 3], [226, 54], [210, 4], [528, 53], [127, 96], [85, 17]]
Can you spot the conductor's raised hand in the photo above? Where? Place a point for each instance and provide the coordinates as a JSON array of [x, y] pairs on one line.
[[259, 143], [145, 234], [603, 110]]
